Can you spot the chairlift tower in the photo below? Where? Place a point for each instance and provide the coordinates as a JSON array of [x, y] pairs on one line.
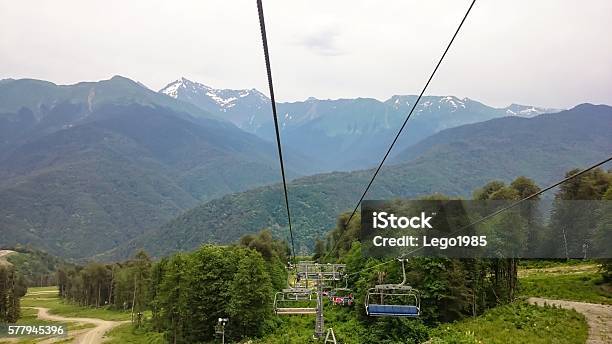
[[319, 323], [319, 274]]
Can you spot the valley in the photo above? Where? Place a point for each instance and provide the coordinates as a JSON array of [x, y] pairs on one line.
[[141, 221], [453, 162], [112, 162]]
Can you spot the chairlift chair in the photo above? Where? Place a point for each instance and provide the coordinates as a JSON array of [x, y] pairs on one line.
[[393, 300], [342, 296], [288, 302]]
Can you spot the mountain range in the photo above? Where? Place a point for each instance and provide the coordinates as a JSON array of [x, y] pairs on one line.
[[359, 130], [454, 162], [87, 166], [101, 168]]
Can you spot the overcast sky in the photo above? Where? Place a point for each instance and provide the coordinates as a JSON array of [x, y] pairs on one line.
[[553, 53]]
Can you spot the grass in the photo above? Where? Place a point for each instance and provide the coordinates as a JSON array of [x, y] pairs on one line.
[[543, 263], [126, 334], [572, 282], [29, 315], [45, 297], [516, 323]]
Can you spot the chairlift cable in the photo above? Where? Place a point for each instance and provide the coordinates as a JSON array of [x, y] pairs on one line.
[[264, 39], [404, 124], [410, 113]]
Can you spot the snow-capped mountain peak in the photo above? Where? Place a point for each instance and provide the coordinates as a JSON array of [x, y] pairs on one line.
[[223, 98], [182, 85], [526, 111], [232, 105]]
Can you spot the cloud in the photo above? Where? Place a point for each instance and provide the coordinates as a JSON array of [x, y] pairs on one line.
[[322, 42]]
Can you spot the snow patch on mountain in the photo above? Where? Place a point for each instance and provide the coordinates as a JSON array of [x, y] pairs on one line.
[[454, 103]]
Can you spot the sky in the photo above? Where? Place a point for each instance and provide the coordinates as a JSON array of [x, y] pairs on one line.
[[552, 53]]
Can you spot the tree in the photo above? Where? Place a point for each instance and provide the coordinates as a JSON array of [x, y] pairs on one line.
[[158, 271], [525, 186], [12, 289], [141, 265], [603, 236], [172, 298], [485, 192], [209, 273], [319, 249], [529, 210], [573, 220], [264, 243], [250, 296], [511, 231]]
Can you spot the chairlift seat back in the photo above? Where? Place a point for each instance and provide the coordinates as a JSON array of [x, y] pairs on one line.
[[393, 310]]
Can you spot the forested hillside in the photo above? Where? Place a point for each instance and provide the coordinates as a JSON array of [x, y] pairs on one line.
[[86, 167], [453, 162], [37, 268], [187, 292]]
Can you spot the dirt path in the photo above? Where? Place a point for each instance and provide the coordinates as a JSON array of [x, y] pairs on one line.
[[94, 335], [3, 254], [599, 317], [558, 270]]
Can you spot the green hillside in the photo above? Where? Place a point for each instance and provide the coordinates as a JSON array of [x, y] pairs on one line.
[[39, 96], [38, 268], [453, 162], [80, 176]]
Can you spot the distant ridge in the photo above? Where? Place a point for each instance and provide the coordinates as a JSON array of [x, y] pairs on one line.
[[356, 128], [453, 162]]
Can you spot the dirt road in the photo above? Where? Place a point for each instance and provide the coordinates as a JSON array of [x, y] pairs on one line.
[[94, 335], [599, 317]]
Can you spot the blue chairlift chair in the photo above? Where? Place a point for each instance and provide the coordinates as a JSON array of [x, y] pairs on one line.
[[393, 300]]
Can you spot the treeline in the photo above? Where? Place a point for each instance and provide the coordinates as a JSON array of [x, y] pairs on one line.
[[577, 225], [12, 288], [455, 288], [120, 285], [187, 292]]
